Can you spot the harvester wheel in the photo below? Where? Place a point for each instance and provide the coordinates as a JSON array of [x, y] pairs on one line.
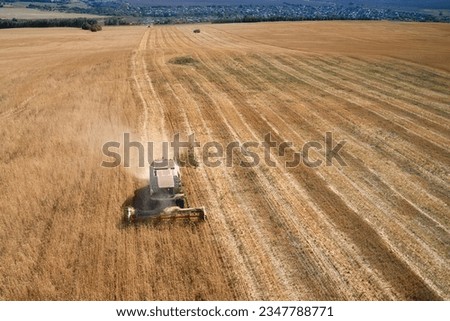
[[179, 202]]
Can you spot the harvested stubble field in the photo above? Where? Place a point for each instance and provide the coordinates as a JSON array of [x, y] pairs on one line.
[[376, 229]]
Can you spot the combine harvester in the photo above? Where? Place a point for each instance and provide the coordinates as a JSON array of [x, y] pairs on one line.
[[163, 198]]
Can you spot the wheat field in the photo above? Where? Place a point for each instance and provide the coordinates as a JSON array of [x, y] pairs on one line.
[[375, 229]]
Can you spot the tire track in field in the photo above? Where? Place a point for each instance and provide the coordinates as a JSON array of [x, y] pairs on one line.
[[293, 116], [371, 95], [287, 120], [146, 76], [377, 243], [158, 65], [218, 105], [391, 73], [240, 77], [256, 182], [387, 107], [247, 233], [433, 79], [211, 90], [172, 104], [407, 88], [152, 110], [357, 110], [264, 209], [402, 158], [198, 197], [290, 201], [19, 110]]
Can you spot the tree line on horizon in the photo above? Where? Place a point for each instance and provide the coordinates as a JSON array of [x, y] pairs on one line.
[[46, 23]]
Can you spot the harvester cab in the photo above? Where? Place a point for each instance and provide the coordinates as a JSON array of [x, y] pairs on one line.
[[163, 198], [165, 181]]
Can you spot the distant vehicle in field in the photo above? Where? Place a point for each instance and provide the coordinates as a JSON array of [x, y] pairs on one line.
[[196, 30]]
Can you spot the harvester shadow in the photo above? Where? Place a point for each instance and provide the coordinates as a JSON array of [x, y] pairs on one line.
[[140, 200]]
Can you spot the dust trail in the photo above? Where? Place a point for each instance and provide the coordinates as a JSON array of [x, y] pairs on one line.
[[153, 135]]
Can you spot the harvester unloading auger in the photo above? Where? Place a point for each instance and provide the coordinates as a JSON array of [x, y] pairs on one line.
[[162, 199]]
